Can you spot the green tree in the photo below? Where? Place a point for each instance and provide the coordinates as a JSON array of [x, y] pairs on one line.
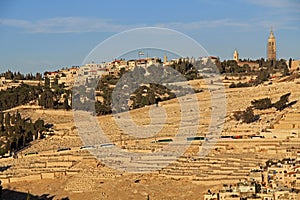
[[286, 71], [1, 118], [39, 127], [7, 120], [55, 82], [262, 104], [262, 76], [151, 98], [47, 82], [246, 116], [46, 99], [38, 76], [290, 63], [66, 102], [282, 102], [13, 119]]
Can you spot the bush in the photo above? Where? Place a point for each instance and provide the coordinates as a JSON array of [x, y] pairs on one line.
[[282, 103], [262, 76], [239, 85], [262, 104], [246, 116], [232, 85]]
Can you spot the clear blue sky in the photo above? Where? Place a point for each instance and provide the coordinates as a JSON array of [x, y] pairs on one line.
[[46, 35]]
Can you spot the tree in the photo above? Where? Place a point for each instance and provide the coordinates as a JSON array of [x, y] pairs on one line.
[[221, 68], [7, 120], [38, 76], [46, 99], [290, 63], [246, 116], [9, 75], [47, 82], [13, 97], [1, 118], [55, 82], [262, 76], [257, 188], [262, 104], [39, 126], [66, 102], [122, 71], [151, 97], [286, 71], [282, 102], [13, 119]]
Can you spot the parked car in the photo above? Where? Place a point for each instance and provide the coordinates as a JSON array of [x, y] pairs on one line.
[[31, 153], [163, 140], [195, 138], [88, 147], [107, 145], [63, 149]]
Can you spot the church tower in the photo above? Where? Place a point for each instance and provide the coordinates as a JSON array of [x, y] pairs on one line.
[[165, 58], [236, 56], [271, 46]]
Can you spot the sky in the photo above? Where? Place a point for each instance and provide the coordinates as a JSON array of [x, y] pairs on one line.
[[48, 35]]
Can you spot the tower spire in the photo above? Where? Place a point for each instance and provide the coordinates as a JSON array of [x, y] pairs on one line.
[[271, 32], [236, 55], [271, 50]]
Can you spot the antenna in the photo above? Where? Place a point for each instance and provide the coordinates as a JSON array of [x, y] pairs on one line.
[[271, 29]]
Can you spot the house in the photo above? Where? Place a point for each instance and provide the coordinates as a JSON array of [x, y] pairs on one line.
[[211, 196], [131, 64], [229, 195], [295, 65], [2, 81], [153, 61], [246, 189], [141, 62]]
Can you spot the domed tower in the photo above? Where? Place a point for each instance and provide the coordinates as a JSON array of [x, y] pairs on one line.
[[271, 46], [236, 56]]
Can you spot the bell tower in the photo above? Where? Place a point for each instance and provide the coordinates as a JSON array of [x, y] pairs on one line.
[[236, 55], [271, 54]]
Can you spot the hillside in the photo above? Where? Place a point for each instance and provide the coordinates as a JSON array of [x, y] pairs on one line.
[[77, 174]]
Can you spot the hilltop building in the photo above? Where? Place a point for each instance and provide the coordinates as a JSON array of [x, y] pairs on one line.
[[294, 66], [251, 64], [278, 179], [271, 54], [236, 56], [165, 58]]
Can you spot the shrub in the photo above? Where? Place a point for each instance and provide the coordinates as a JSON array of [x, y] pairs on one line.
[[232, 85], [282, 103], [246, 116], [262, 104]]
